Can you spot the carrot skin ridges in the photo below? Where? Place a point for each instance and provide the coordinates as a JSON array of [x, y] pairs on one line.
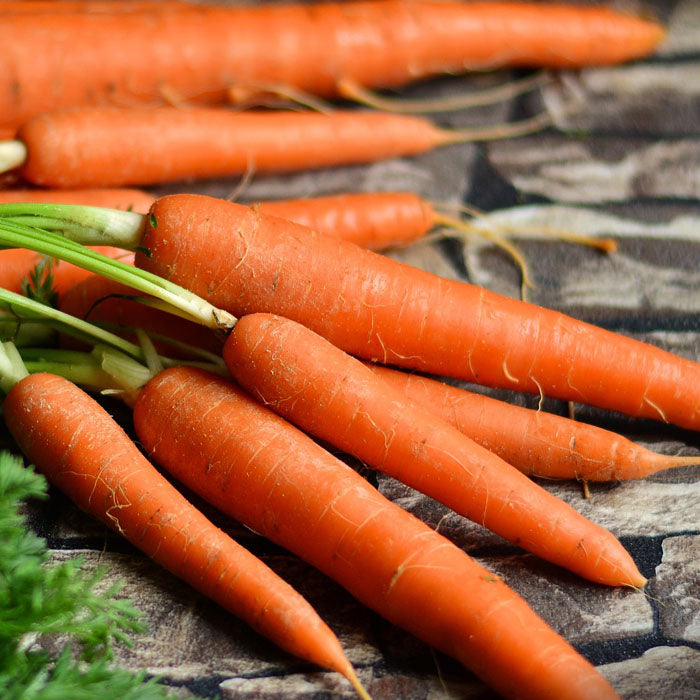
[[69, 149], [195, 53], [86, 454], [376, 308], [332, 395], [536, 442], [319, 508], [373, 220]]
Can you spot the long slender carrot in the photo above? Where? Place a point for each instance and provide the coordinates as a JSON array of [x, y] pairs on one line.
[[86, 454], [112, 147], [536, 442], [379, 309], [380, 220], [253, 465], [195, 53], [425, 453], [330, 394]]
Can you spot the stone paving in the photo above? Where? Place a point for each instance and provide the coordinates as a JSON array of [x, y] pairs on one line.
[[625, 163]]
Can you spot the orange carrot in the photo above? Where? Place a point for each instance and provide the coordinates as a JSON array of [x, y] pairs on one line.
[[380, 220], [17, 263], [86, 454], [536, 442], [374, 220], [259, 469], [134, 200], [111, 147], [331, 395], [156, 54], [379, 309]]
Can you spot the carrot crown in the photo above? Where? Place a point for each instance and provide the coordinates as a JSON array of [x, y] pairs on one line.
[[27, 226], [114, 365]]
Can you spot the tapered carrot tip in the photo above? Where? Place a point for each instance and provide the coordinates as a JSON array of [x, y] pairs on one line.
[[658, 463], [350, 674]]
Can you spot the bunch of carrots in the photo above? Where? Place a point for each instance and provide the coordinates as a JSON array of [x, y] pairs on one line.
[[236, 332]]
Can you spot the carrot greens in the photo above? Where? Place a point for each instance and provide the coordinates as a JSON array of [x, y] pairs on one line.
[[38, 599]]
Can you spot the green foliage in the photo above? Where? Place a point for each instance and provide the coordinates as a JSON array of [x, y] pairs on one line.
[[39, 284], [43, 606]]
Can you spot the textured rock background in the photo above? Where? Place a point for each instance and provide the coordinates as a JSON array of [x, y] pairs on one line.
[[625, 163]]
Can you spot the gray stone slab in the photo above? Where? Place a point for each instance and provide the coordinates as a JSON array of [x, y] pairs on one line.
[[580, 611], [637, 508], [586, 169], [190, 637], [676, 588], [671, 673], [331, 687]]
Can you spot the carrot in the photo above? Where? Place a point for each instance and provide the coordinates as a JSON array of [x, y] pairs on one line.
[[134, 200], [111, 147], [538, 443], [195, 53], [379, 309], [86, 454], [17, 263], [380, 220], [331, 395], [256, 467]]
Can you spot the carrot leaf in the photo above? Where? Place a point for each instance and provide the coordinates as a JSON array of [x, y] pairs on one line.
[[43, 605]]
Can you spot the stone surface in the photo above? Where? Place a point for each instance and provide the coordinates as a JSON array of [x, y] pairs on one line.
[[663, 672], [676, 588]]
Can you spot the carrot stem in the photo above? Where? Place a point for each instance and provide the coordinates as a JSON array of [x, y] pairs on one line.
[[24, 308], [12, 369], [15, 234], [12, 154], [124, 228]]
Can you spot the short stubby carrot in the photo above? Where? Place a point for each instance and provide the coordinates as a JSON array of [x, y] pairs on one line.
[[256, 467], [379, 309], [194, 53], [113, 147], [86, 454], [538, 443], [335, 397]]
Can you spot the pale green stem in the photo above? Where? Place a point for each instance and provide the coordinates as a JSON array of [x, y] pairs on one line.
[[12, 369], [22, 307], [17, 235], [82, 223], [12, 155]]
